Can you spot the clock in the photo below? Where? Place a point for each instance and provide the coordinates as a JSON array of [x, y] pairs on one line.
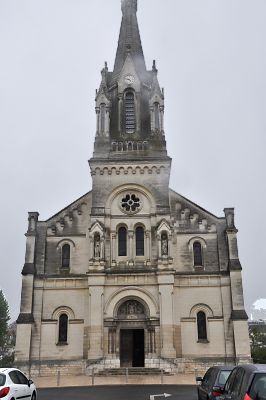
[[129, 79]]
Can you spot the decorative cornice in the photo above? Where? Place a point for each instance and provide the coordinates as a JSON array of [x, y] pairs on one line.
[[126, 170]]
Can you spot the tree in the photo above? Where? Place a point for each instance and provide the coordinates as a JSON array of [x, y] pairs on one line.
[[4, 318], [258, 343], [6, 334]]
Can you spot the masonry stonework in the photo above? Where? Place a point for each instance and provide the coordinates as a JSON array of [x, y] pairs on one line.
[[132, 274]]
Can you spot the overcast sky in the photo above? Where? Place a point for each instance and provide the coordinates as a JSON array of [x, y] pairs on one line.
[[211, 56]]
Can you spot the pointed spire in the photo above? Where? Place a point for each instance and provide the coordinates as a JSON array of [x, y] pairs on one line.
[[129, 39]]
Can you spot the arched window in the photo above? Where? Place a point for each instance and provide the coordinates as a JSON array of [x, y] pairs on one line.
[[197, 251], [139, 241], [122, 242], [65, 256], [157, 116], [129, 112], [102, 118], [202, 325], [63, 328]]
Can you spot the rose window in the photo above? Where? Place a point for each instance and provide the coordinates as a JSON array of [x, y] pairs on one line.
[[130, 203]]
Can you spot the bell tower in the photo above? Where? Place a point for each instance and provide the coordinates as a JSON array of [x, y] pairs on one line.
[[130, 144], [129, 102]]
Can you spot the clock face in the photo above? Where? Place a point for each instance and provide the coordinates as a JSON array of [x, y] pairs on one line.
[[129, 79]]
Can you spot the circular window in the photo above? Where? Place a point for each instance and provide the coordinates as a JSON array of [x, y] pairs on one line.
[[130, 203]]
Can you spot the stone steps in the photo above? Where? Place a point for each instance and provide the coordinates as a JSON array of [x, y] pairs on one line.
[[131, 371]]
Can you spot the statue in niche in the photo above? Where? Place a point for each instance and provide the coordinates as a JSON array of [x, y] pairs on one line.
[[97, 246], [164, 244]]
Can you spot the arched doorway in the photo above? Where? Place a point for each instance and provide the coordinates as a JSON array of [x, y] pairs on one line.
[[131, 316]]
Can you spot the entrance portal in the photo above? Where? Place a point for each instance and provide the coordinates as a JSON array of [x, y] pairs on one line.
[[132, 348]]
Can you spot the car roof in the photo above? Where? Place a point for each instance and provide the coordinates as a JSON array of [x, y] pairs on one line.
[[224, 367], [253, 367], [4, 370]]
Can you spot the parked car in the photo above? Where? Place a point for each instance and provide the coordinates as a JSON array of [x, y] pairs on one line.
[[15, 385], [211, 386], [246, 382]]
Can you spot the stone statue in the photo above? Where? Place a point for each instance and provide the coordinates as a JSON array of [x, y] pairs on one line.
[[97, 246], [164, 245]]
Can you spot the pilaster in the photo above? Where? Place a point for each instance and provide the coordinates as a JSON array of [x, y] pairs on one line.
[[166, 290], [238, 316], [96, 332]]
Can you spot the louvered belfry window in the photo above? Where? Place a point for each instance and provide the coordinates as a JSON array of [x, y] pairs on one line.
[[130, 113]]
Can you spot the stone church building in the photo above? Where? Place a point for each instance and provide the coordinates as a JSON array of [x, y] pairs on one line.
[[132, 274]]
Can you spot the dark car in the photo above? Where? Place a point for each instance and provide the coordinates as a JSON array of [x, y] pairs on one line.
[[246, 382], [212, 384]]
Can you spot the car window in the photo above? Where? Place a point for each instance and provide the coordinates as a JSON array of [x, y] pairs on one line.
[[238, 382], [258, 387], [22, 378], [14, 377], [206, 378], [222, 377], [2, 379], [230, 381]]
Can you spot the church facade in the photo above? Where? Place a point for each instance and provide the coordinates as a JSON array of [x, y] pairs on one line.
[[132, 274]]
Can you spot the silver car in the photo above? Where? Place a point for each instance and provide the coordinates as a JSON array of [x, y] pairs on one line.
[[15, 385]]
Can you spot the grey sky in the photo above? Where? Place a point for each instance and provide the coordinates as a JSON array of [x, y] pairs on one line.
[[212, 60]]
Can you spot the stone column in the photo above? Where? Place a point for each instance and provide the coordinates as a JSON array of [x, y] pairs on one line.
[[166, 288], [152, 118], [102, 248], [148, 248], [239, 316], [130, 249], [97, 109], [159, 240], [96, 292], [113, 248], [162, 118], [91, 247], [107, 122]]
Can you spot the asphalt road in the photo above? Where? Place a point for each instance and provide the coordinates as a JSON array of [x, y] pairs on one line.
[[141, 392]]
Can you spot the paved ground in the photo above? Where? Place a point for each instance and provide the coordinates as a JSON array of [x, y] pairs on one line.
[[128, 392]]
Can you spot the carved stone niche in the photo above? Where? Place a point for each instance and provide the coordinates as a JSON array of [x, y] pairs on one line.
[[131, 310], [96, 235], [164, 241]]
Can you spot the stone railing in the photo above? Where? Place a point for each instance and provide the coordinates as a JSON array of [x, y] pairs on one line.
[[128, 146]]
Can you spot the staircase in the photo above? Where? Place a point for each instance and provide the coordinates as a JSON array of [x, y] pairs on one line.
[[131, 371]]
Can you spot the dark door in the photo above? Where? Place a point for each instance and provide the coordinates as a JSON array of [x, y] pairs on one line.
[[138, 348], [132, 348]]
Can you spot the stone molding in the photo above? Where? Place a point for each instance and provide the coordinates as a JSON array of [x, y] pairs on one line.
[[126, 170], [234, 265], [28, 269], [239, 315], [25, 319]]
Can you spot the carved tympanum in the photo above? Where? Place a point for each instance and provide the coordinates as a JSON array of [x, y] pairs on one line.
[[131, 309]]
